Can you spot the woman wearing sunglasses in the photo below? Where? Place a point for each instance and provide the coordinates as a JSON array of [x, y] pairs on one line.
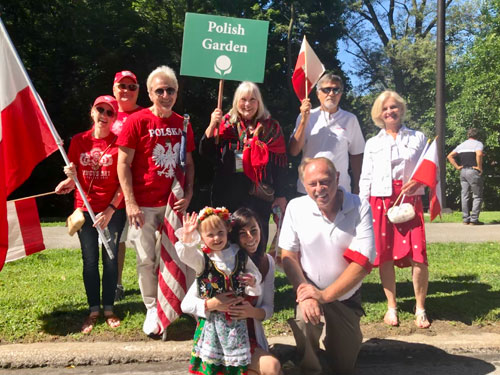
[[249, 152], [93, 155]]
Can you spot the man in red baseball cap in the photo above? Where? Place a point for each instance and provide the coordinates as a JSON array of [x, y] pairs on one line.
[[126, 92]]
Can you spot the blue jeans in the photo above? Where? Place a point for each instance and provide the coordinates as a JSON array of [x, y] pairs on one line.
[[471, 179], [90, 255]]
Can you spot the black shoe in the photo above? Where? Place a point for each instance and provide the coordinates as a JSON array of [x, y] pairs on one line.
[[119, 293], [466, 222], [476, 223]]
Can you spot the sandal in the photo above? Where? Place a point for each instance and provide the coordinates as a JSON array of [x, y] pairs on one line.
[[391, 317], [112, 320], [421, 320], [89, 323]]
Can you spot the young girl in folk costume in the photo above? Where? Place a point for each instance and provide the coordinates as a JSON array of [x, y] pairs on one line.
[[221, 344]]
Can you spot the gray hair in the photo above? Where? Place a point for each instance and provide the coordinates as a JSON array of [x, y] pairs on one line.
[[332, 171], [165, 72], [330, 77]]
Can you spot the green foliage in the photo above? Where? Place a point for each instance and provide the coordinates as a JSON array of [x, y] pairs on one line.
[[474, 80], [72, 49]]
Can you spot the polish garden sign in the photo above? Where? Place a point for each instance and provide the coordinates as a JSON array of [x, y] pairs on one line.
[[224, 48]]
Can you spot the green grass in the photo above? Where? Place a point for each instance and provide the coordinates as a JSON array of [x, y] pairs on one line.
[[42, 296], [488, 217], [53, 221]]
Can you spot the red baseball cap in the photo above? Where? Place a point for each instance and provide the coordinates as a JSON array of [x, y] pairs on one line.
[[125, 73], [108, 99]]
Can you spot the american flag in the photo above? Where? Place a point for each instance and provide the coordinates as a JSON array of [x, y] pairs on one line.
[[174, 277]]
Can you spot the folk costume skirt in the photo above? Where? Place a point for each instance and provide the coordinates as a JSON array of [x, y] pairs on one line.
[[221, 346], [400, 243]]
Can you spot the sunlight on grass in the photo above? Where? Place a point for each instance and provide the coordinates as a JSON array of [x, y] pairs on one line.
[[42, 297]]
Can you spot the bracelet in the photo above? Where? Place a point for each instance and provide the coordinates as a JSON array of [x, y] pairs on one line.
[[112, 206]]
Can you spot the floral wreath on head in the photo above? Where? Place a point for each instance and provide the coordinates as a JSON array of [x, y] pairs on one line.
[[222, 212]]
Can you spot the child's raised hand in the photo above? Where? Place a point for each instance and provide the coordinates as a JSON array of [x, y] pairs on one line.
[[190, 223], [247, 279]]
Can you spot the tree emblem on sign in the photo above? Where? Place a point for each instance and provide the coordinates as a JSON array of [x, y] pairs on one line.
[[223, 65]]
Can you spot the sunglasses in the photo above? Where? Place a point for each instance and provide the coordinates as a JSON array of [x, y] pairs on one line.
[[108, 112], [127, 86], [169, 90], [328, 90]]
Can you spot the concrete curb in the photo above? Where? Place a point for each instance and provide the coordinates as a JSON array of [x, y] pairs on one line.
[[110, 352]]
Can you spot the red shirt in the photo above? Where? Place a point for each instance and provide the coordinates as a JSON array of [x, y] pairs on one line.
[[121, 117], [92, 166], [156, 142]]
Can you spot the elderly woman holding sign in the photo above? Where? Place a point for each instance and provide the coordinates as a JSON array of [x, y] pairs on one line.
[[389, 160], [249, 152]]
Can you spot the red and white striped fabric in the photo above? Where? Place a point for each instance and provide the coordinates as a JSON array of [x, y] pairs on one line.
[[428, 173], [174, 277], [25, 233], [309, 72], [25, 138]]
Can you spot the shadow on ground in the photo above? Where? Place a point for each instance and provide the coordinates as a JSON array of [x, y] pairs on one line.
[[380, 356]]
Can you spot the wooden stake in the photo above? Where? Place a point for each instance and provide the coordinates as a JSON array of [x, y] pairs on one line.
[[33, 196], [219, 106]]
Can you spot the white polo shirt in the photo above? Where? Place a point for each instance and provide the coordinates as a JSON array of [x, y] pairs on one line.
[[326, 248], [333, 136]]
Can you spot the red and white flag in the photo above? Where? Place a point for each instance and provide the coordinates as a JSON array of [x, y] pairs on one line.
[[308, 70], [25, 233], [25, 138], [428, 173], [174, 277]]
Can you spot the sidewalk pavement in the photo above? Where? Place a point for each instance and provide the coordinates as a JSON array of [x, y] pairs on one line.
[[58, 238]]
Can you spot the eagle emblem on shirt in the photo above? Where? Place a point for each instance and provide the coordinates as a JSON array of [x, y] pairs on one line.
[[166, 158]]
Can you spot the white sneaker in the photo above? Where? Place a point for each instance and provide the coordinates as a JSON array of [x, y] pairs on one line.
[[150, 326]]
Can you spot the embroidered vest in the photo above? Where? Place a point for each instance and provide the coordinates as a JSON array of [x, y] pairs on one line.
[[213, 281]]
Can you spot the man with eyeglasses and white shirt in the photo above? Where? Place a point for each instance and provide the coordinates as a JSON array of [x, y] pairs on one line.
[[126, 92], [329, 131], [149, 150]]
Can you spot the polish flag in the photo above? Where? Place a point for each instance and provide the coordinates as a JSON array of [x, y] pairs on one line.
[[25, 137], [25, 233], [428, 173], [307, 71]]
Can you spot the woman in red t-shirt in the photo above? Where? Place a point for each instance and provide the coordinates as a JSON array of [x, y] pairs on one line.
[[93, 155]]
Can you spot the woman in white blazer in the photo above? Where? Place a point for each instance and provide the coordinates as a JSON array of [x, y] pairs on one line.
[[388, 163]]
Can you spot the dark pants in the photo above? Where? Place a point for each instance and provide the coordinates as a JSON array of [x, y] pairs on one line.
[[90, 255]]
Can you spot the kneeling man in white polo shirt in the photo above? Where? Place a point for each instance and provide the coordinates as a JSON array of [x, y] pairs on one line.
[[328, 248]]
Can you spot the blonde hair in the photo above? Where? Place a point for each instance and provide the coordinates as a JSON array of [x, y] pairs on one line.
[[247, 87], [165, 72], [332, 171], [379, 103], [213, 222]]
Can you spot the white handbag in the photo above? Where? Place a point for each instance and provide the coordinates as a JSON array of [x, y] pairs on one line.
[[402, 213]]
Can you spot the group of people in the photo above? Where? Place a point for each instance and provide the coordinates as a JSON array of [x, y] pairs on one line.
[[330, 238]]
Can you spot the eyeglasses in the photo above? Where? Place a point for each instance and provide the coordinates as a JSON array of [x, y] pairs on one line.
[[169, 90], [328, 90], [108, 112], [127, 86]]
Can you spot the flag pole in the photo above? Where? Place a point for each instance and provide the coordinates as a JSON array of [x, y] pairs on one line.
[[56, 136], [305, 65], [33, 196]]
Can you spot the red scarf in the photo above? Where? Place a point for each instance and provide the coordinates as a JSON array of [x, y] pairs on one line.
[[266, 143]]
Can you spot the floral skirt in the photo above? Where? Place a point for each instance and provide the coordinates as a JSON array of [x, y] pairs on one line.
[[221, 346], [400, 243]]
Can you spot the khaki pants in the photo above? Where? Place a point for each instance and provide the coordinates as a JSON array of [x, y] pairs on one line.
[[148, 255], [342, 339]]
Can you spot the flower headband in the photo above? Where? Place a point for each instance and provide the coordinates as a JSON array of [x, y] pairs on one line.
[[222, 212]]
